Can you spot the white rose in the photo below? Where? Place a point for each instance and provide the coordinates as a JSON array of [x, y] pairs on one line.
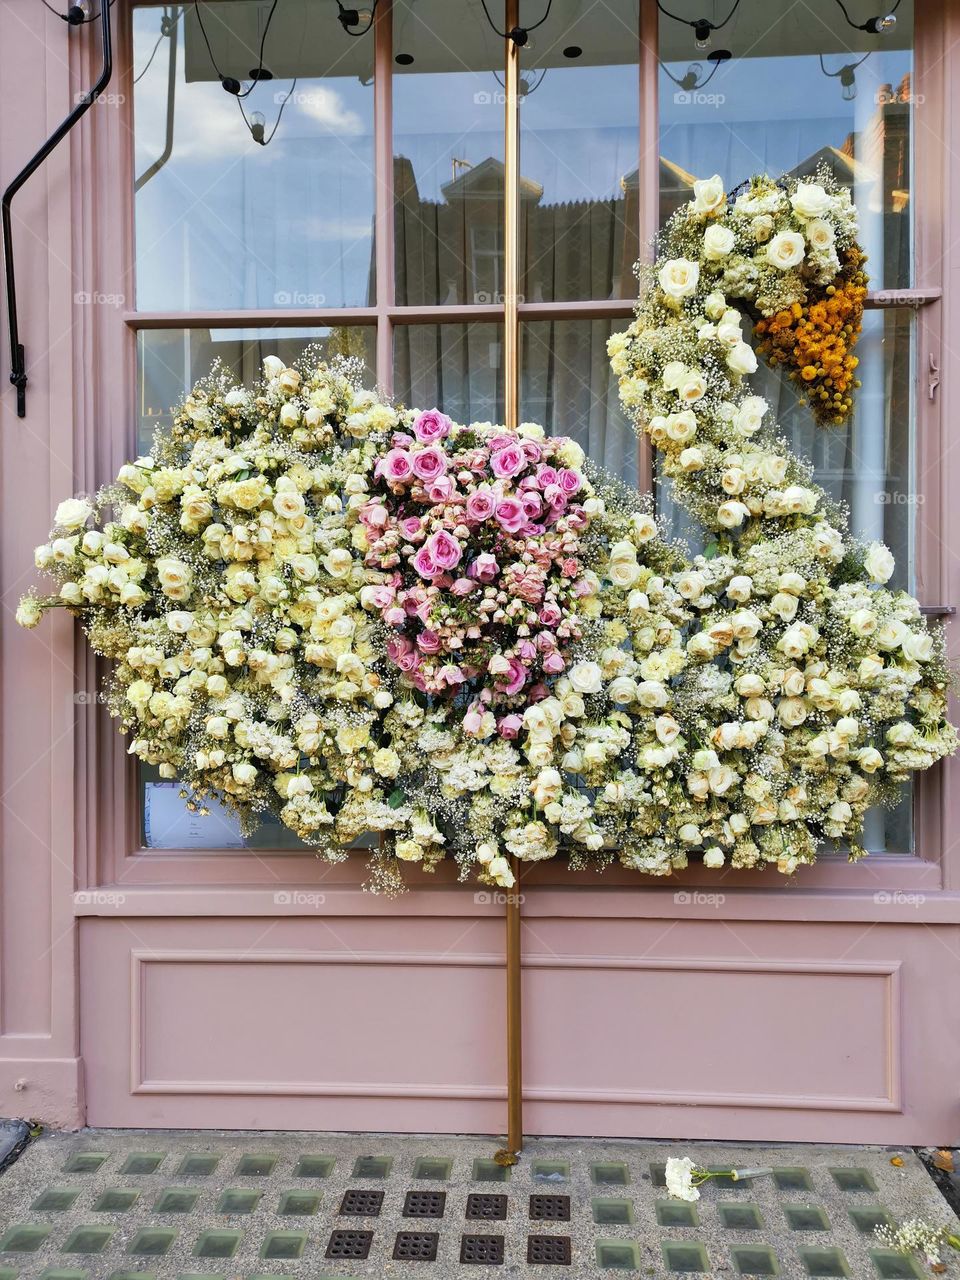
[[918, 646], [739, 588], [762, 227], [691, 459], [679, 277], [717, 242], [679, 1178], [644, 527], [786, 250], [730, 515], [715, 304], [810, 200], [820, 235], [742, 359], [708, 194], [586, 677], [73, 513], [750, 414], [682, 426], [29, 612], [673, 371], [652, 694], [692, 386], [273, 366], [879, 563], [713, 857], [863, 622]]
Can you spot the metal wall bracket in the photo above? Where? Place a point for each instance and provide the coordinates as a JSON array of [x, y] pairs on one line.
[[18, 362]]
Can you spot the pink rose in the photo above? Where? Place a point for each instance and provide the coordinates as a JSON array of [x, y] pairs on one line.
[[428, 642], [397, 646], [450, 674], [424, 563], [411, 528], [546, 476], [527, 650], [531, 450], [445, 551], [509, 726], [473, 719], [508, 461], [484, 568], [395, 466], [511, 515], [553, 663], [440, 490], [481, 504], [395, 617], [570, 481], [462, 587], [532, 504], [431, 425], [375, 514], [408, 661], [429, 463], [570, 567], [550, 615], [512, 682]]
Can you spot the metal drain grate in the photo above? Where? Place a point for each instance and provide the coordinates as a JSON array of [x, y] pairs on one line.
[[417, 1246], [484, 1250], [553, 1249], [550, 1208], [486, 1204], [360, 1203], [424, 1204], [349, 1244]]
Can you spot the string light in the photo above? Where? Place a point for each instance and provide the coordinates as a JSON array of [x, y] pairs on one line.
[[703, 28], [78, 13], [349, 18], [520, 35], [691, 80], [230, 83], [846, 75], [873, 26]]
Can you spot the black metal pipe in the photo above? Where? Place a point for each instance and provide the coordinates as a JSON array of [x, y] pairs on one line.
[[18, 363]]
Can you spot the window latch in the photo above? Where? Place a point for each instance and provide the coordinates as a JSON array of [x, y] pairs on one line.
[[933, 376]]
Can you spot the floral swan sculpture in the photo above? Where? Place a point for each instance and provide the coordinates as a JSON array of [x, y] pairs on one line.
[[366, 618]]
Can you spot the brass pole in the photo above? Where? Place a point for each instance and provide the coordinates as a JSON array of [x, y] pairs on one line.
[[511, 399]]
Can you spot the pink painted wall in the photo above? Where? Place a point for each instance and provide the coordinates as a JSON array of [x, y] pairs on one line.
[[155, 989]]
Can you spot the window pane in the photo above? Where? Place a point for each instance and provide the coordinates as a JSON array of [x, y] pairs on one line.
[[170, 361], [567, 386], [223, 222], [869, 466], [579, 153], [780, 105], [454, 367], [448, 153]]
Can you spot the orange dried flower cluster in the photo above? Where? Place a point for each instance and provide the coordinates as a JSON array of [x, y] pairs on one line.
[[816, 338]]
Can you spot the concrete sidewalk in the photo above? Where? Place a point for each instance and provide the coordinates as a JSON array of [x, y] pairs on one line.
[[113, 1204]]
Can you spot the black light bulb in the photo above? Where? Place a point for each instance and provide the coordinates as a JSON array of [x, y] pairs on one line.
[[877, 26], [230, 84], [258, 125], [702, 31], [348, 18], [518, 36]]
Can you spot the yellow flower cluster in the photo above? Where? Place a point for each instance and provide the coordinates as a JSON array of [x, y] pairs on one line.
[[815, 338]]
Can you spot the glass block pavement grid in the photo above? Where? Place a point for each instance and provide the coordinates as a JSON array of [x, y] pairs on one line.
[[196, 1206]]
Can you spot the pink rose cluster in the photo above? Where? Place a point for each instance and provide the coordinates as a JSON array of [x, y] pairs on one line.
[[478, 531]]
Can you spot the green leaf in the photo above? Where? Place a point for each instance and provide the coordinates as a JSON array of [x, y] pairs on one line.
[[710, 550], [397, 798]]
